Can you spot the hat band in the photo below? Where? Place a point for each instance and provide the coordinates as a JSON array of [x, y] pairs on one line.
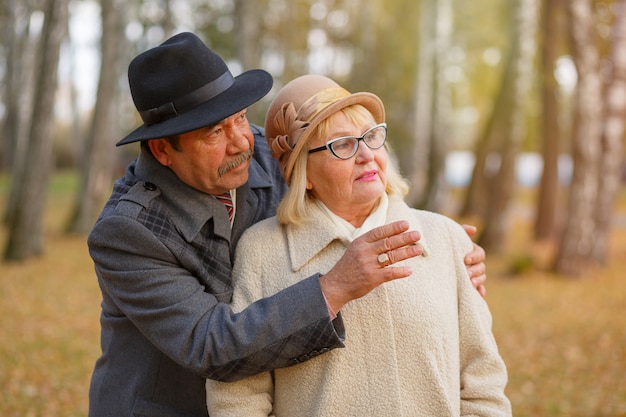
[[174, 108]]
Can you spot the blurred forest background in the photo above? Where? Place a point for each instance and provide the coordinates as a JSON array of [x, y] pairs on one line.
[[498, 93], [498, 110]]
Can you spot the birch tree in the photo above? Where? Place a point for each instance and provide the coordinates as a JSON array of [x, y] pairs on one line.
[[432, 102], [96, 163], [15, 24], [611, 158], [550, 121], [18, 91], [495, 127], [248, 29], [503, 183], [576, 246], [25, 237]]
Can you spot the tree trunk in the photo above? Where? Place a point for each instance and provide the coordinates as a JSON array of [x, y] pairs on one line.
[[433, 108], [168, 24], [18, 98], [486, 166], [436, 188], [550, 126], [502, 185], [611, 158], [293, 40], [25, 231], [13, 42], [95, 178], [248, 44], [248, 33], [423, 99], [576, 247]]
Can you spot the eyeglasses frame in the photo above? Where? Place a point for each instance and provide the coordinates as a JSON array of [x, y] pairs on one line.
[[328, 144]]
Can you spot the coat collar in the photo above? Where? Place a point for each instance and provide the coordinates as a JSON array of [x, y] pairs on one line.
[[326, 232], [194, 208]]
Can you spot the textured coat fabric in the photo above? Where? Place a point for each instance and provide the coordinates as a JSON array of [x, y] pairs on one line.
[[420, 346], [162, 253]]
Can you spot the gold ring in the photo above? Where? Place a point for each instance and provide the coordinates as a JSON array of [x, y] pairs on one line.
[[383, 260]]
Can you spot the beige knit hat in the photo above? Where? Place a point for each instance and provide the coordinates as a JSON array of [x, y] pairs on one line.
[[300, 106]]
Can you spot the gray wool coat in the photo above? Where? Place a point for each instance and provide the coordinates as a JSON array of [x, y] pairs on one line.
[[163, 257]]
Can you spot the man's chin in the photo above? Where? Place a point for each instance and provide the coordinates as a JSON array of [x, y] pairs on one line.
[[237, 177]]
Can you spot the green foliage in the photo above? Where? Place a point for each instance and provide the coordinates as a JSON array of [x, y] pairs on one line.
[[64, 182]]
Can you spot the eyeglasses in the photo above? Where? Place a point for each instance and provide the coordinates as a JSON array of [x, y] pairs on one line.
[[346, 147]]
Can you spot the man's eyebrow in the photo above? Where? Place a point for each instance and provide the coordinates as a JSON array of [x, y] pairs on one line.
[[207, 129]]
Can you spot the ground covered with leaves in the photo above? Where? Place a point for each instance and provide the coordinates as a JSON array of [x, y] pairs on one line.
[[564, 340]]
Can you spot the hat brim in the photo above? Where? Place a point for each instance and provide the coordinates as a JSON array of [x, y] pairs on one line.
[[248, 88]]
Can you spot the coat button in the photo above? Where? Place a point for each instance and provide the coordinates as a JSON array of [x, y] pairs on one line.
[[149, 186]]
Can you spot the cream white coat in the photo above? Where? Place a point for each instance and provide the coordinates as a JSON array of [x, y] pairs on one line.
[[420, 346]]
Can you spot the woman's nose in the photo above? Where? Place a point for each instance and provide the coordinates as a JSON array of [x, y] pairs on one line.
[[364, 153]]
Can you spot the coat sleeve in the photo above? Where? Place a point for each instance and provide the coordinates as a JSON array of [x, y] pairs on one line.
[[252, 396], [146, 289], [483, 372]]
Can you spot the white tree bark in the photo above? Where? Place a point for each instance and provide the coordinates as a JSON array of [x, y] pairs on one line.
[[26, 228], [503, 184], [613, 127], [432, 106], [576, 248], [98, 158]]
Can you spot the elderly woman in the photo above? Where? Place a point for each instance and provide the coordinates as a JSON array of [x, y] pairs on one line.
[[420, 346]]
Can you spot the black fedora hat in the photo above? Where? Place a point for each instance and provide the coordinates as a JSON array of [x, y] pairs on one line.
[[181, 85]]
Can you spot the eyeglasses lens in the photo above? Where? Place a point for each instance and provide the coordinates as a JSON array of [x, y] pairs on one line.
[[346, 147]]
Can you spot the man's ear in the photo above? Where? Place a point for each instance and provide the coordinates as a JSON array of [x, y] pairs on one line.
[[160, 148]]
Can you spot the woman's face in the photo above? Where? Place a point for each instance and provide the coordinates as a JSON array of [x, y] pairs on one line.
[[350, 188]]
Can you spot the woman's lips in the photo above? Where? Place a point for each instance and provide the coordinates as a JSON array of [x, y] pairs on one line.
[[367, 176]]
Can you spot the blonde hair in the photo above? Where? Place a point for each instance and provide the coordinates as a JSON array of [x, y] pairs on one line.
[[295, 205]]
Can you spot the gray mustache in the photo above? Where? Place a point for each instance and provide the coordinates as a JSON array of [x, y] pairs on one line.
[[234, 163]]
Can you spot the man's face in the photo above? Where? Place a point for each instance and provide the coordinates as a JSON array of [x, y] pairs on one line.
[[212, 159]]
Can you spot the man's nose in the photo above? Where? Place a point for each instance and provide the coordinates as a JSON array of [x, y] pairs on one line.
[[237, 139]]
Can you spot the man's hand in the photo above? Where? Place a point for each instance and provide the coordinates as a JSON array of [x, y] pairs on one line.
[[360, 270], [475, 262]]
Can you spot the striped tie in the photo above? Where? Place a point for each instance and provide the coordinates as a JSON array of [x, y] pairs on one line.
[[226, 199]]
